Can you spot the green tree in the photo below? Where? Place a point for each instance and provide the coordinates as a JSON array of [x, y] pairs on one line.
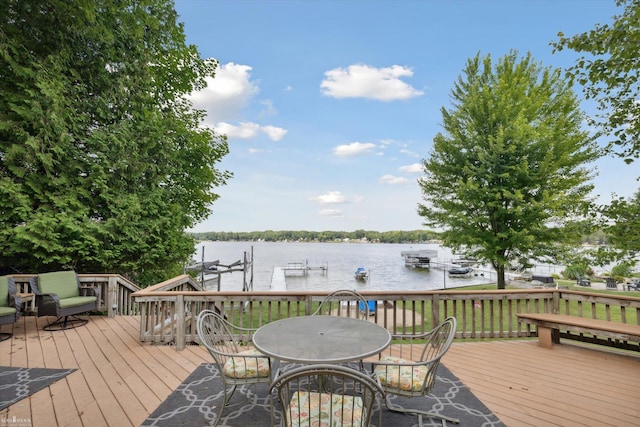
[[623, 233], [104, 162], [507, 179], [608, 73]]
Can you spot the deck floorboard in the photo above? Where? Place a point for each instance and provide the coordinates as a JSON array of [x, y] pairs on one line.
[[120, 381]]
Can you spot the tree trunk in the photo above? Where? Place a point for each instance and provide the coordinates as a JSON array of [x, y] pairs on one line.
[[500, 274]]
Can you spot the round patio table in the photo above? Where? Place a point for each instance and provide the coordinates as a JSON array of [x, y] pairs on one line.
[[321, 339]]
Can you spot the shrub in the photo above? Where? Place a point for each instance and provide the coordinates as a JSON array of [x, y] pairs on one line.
[[622, 270], [574, 271]]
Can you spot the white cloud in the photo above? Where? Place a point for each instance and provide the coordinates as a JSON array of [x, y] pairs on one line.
[[257, 151], [363, 81], [409, 153], [330, 198], [241, 131], [274, 133], [412, 168], [387, 142], [269, 109], [247, 130], [390, 179], [331, 212], [353, 149], [226, 94]]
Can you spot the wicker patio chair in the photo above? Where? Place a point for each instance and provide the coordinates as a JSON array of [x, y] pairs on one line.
[[409, 367], [60, 294], [10, 305], [327, 395], [344, 302], [236, 360]]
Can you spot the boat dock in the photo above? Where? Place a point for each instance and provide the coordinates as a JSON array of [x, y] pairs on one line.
[[419, 258], [303, 268], [279, 276], [278, 281]]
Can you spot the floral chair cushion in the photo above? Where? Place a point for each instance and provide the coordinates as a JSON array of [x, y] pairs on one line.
[[247, 364], [314, 409], [407, 378]]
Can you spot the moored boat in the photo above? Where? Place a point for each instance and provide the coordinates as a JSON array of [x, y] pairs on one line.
[[361, 273], [460, 271]]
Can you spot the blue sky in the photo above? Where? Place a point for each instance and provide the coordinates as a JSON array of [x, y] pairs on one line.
[[329, 106]]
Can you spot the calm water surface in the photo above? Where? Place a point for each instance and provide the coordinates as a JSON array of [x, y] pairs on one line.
[[383, 261]]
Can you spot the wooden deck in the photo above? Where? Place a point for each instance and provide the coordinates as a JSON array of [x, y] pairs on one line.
[[121, 381]]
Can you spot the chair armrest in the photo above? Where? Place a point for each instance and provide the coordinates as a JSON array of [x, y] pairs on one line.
[[241, 329], [92, 291], [33, 283], [420, 336], [16, 302]]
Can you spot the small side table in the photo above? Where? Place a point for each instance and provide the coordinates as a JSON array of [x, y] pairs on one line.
[[28, 298]]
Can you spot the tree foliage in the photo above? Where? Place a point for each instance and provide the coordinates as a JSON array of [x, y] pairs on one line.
[[104, 163], [623, 232], [507, 179], [608, 71]]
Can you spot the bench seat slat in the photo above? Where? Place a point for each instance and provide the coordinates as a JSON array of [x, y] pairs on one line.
[[549, 321]]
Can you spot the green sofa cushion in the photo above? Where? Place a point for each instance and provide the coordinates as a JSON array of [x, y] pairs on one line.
[[4, 291], [62, 283], [75, 301], [6, 311]]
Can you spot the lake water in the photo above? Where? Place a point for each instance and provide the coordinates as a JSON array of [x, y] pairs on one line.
[[383, 261]]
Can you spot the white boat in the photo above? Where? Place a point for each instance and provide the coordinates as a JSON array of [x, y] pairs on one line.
[[420, 258], [361, 273]]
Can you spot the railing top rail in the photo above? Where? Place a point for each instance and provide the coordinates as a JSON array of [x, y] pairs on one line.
[[122, 281], [98, 276], [391, 294], [619, 296], [490, 294], [85, 277], [22, 277], [167, 285]]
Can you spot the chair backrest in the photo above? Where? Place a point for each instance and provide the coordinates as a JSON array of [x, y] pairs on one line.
[[215, 334], [410, 366], [336, 394], [346, 303], [62, 283], [440, 339], [7, 287]]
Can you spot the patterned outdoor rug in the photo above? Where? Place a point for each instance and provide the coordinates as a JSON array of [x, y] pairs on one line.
[[18, 383], [192, 404]]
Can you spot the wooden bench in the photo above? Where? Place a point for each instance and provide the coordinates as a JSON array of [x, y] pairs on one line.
[[549, 326]]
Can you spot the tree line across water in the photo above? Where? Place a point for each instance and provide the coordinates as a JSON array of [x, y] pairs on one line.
[[400, 236], [597, 237]]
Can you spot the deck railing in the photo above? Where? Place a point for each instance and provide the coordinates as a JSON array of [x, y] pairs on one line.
[[115, 291], [168, 310]]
